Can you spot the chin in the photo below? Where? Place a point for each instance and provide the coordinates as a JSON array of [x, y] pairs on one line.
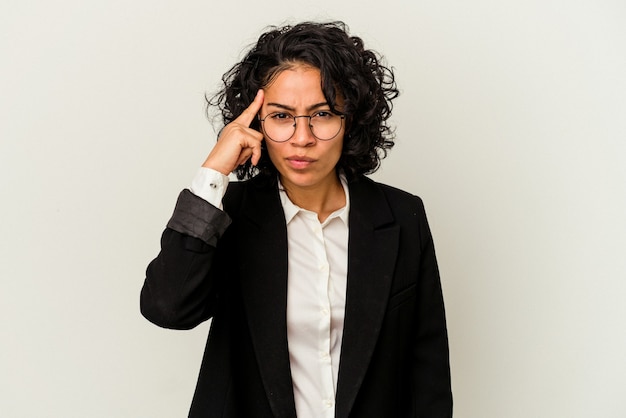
[[307, 180], [302, 180]]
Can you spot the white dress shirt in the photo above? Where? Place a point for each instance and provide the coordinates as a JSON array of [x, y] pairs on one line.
[[316, 294]]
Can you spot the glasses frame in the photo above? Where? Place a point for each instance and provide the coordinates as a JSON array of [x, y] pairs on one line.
[[295, 125]]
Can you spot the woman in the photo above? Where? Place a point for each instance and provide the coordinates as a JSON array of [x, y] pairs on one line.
[[322, 285]]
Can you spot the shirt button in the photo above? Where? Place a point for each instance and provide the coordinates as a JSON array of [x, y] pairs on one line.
[[329, 403], [325, 311]]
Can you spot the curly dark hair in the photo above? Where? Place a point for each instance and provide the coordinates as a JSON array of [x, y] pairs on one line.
[[347, 69]]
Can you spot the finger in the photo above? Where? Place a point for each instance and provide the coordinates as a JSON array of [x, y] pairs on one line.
[[243, 157], [248, 115], [256, 155]]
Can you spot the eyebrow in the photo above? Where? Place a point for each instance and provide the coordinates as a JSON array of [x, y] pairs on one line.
[[292, 109]]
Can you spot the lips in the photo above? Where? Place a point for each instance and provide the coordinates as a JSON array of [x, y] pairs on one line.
[[300, 162]]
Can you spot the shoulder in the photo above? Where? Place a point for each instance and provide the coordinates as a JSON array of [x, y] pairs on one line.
[[396, 198], [257, 191], [381, 201], [381, 205]]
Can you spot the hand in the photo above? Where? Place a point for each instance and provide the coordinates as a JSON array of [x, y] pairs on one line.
[[237, 142]]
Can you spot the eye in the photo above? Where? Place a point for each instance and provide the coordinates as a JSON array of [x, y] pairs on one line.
[[322, 114], [280, 116]]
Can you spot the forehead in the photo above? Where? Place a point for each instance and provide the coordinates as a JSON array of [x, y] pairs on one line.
[[297, 85]]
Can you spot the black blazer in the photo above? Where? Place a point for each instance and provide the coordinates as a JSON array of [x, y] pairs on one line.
[[394, 355]]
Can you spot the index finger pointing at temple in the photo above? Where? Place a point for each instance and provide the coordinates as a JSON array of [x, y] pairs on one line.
[[248, 115]]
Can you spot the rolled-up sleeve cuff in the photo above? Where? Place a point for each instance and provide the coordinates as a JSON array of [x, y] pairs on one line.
[[210, 185], [198, 218]]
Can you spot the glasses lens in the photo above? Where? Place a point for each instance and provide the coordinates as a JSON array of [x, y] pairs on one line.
[[325, 125], [280, 126]]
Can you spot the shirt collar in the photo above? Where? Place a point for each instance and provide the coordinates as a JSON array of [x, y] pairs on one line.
[[291, 210]]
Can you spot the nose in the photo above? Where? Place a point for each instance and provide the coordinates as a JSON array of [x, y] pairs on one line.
[[303, 136]]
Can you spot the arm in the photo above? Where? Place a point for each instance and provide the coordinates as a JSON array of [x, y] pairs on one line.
[[178, 289], [183, 281]]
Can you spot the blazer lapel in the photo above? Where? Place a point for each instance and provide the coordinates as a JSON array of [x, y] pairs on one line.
[[264, 288], [372, 252]]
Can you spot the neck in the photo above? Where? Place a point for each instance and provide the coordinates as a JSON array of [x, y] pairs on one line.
[[322, 199]]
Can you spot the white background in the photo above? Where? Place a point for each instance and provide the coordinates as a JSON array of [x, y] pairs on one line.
[[511, 126]]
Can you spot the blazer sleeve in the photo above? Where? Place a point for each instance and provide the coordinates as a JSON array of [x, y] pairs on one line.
[[180, 288], [431, 366]]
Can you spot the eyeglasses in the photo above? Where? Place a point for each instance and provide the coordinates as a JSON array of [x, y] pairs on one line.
[[281, 126]]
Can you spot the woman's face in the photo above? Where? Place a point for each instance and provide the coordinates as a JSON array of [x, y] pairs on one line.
[[303, 161]]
